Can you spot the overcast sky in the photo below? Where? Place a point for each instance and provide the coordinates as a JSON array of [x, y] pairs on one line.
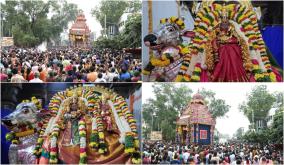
[[232, 93]]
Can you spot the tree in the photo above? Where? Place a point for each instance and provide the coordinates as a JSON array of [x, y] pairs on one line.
[[277, 127], [129, 38], [217, 107], [273, 134], [134, 6], [65, 13], [277, 124], [167, 103], [259, 102], [239, 133], [28, 21], [132, 32], [111, 10]]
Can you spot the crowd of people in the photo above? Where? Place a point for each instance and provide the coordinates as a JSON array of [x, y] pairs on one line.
[[69, 65], [223, 154]]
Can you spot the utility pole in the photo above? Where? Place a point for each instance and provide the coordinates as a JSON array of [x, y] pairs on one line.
[[105, 26]]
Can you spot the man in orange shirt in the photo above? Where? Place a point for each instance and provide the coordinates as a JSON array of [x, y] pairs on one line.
[[42, 74], [92, 76]]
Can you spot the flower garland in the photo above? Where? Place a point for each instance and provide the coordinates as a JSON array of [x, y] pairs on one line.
[[129, 142], [82, 134], [131, 139], [136, 157], [196, 73], [247, 19], [55, 102], [164, 61], [208, 17], [94, 138], [258, 75], [98, 131], [38, 148], [53, 106], [12, 138], [102, 144], [53, 145]]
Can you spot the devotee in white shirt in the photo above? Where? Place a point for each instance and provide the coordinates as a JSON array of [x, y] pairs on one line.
[[36, 79]]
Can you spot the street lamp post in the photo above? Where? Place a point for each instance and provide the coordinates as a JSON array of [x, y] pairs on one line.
[[105, 25], [252, 119]]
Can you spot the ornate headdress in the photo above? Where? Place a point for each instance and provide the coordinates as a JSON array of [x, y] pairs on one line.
[[224, 12], [174, 20], [34, 100]]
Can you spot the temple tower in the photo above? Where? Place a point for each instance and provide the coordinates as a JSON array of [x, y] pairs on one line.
[[196, 124], [79, 33]]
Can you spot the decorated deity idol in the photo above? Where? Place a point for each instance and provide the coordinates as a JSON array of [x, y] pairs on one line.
[[71, 122], [228, 55], [106, 114], [167, 50], [75, 131], [227, 47], [25, 123]]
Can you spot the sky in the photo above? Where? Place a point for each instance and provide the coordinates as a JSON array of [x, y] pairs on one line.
[[232, 93]]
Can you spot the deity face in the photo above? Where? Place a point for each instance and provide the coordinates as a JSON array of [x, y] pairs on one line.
[[74, 104], [25, 114], [73, 107], [166, 35], [224, 26]]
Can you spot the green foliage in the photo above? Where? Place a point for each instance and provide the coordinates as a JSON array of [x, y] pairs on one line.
[[112, 10], [103, 42], [217, 107], [129, 38], [168, 101], [239, 133], [259, 101], [277, 126], [131, 35], [28, 21], [264, 136], [274, 133]]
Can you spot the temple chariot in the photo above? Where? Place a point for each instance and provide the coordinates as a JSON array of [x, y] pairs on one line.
[[195, 124], [79, 33]]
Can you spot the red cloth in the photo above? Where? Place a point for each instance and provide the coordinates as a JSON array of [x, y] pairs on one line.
[[230, 65], [278, 75], [68, 67], [203, 76], [31, 76]]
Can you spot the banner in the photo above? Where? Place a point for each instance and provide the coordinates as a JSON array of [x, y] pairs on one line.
[[156, 135], [7, 41]]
